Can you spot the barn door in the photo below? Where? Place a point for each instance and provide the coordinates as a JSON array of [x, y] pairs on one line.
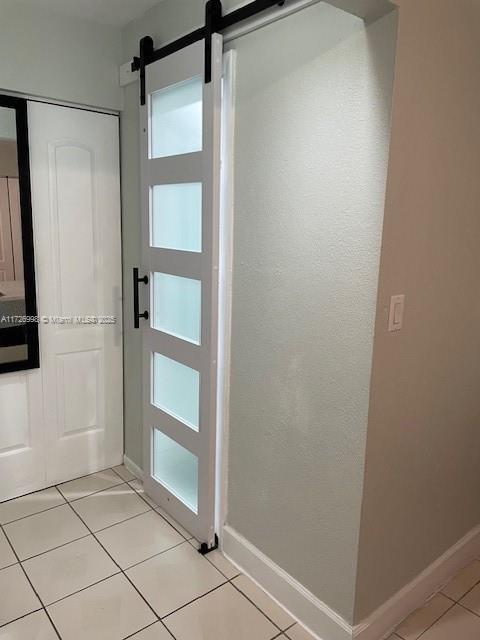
[[180, 135]]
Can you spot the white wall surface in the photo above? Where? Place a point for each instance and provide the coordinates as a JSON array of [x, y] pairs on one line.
[[311, 149], [53, 56], [423, 453], [131, 257]]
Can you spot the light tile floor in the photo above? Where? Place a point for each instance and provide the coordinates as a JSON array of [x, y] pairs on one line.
[[96, 559], [452, 614]]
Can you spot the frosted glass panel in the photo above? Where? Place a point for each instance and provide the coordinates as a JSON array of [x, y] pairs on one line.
[[176, 119], [177, 216], [176, 389], [176, 468], [177, 306]]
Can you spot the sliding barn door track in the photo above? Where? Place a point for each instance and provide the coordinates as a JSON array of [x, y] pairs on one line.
[[215, 22]]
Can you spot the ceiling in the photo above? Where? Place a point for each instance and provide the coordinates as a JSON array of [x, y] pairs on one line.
[[116, 13]]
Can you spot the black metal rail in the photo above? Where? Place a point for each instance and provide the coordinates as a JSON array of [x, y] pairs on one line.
[[215, 22]]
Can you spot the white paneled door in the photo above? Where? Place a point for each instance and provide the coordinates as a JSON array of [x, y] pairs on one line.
[[22, 459], [180, 140], [66, 418], [76, 214]]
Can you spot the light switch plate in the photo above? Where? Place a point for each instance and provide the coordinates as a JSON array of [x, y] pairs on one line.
[[397, 308]]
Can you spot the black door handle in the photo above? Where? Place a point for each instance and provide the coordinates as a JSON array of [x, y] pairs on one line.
[[136, 313]]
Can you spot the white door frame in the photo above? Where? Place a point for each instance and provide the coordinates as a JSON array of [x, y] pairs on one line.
[[225, 290]]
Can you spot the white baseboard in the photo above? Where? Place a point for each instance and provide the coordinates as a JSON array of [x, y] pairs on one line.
[[325, 623], [132, 467], [314, 614], [384, 620]]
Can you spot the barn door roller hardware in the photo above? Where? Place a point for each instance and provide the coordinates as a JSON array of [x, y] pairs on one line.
[[215, 22]]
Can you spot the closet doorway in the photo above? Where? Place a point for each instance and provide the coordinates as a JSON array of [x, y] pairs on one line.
[[65, 419]]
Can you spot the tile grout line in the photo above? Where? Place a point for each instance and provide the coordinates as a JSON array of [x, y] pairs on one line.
[[452, 600], [256, 606], [92, 534], [453, 604], [32, 515], [55, 486], [25, 615], [121, 571], [466, 593], [160, 619], [207, 593], [74, 593], [435, 621], [110, 526], [159, 507], [64, 544], [87, 495], [467, 609], [87, 535], [31, 585], [228, 581], [115, 523], [187, 540], [36, 513], [148, 627], [19, 562], [8, 566], [155, 555], [65, 500], [31, 493], [442, 594]]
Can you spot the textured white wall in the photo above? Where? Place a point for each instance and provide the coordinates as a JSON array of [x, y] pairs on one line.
[[422, 477], [131, 257], [49, 55], [311, 150]]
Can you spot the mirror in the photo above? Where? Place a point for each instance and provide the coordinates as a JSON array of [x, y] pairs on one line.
[[18, 309]]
